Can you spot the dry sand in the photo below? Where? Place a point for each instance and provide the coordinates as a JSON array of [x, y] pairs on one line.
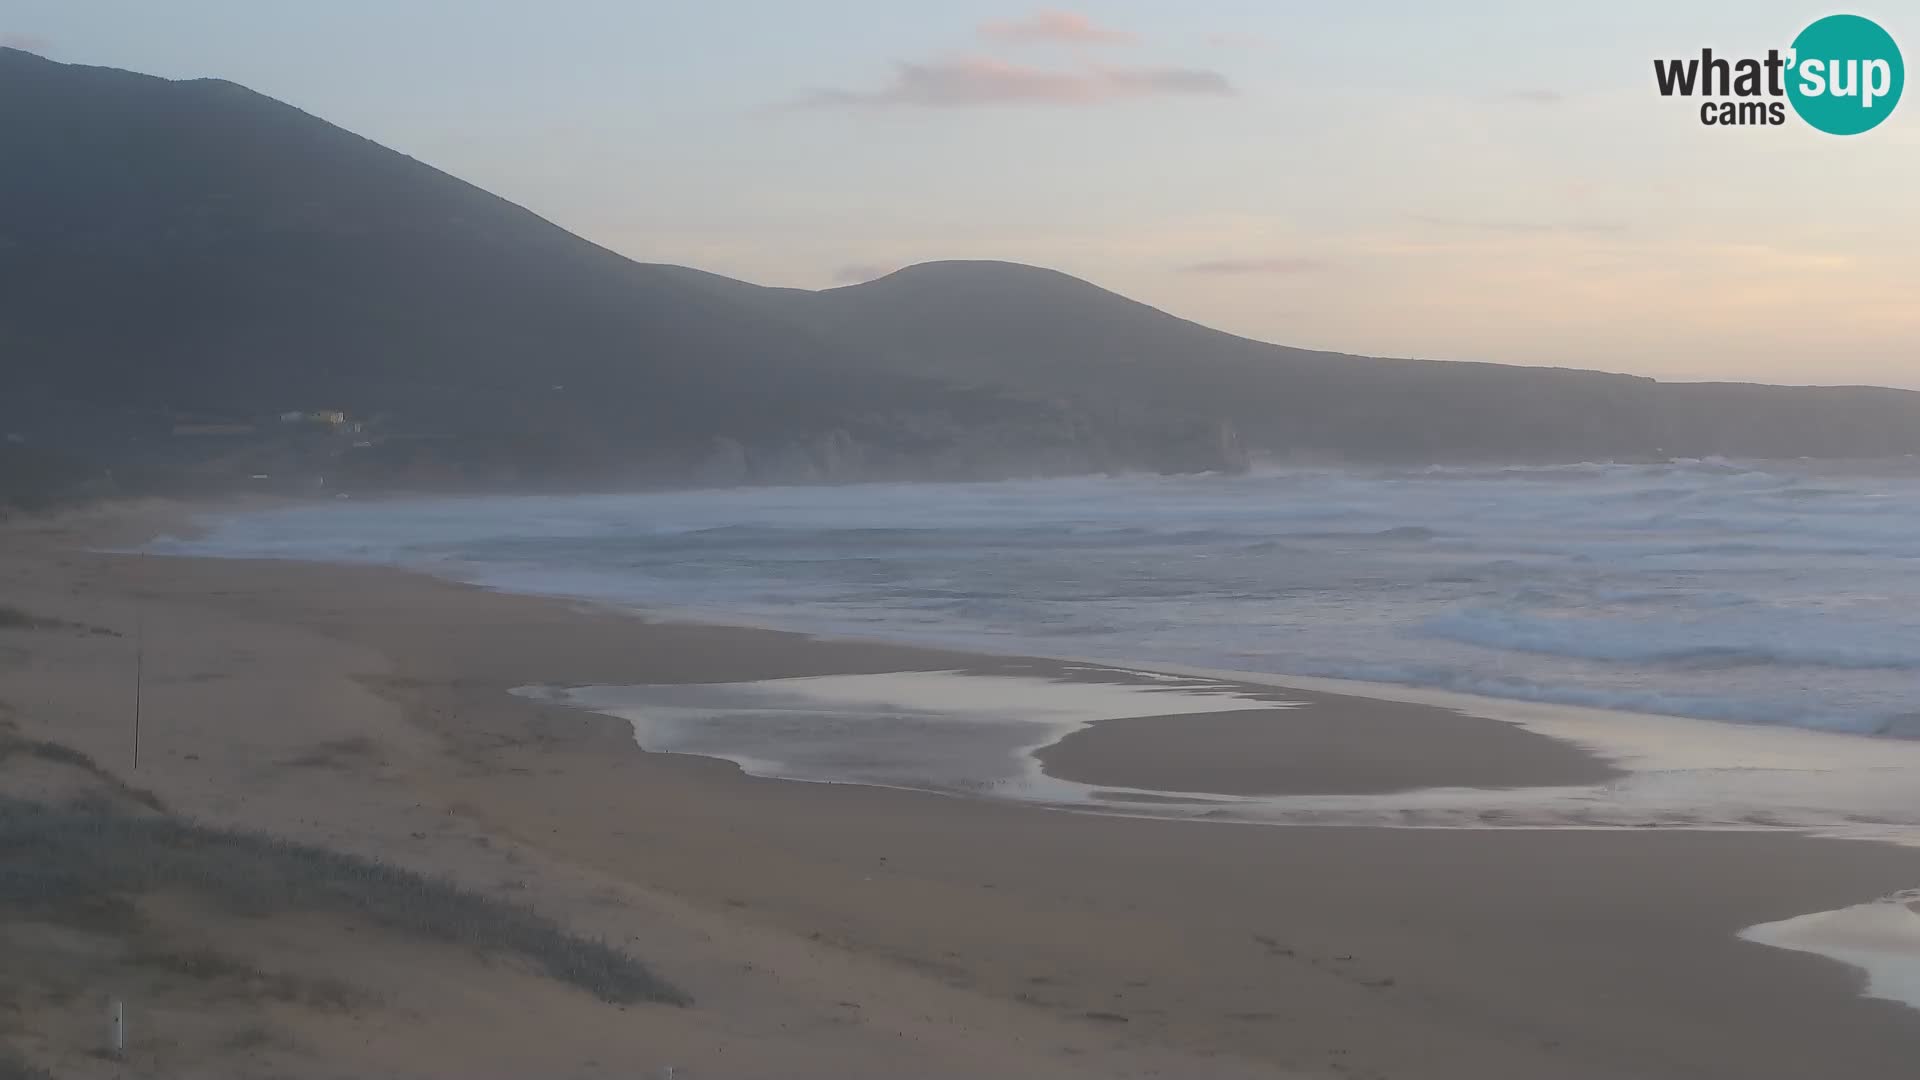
[[839, 931]]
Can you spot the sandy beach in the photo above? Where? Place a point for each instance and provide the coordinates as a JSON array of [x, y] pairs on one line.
[[837, 930], [1333, 745]]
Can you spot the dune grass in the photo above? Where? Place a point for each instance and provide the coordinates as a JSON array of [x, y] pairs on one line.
[[46, 751], [87, 864], [211, 965], [13, 618], [12, 745], [12, 1068]]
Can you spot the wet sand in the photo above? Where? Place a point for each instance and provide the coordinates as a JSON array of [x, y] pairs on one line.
[[1332, 745], [1018, 728], [841, 930]]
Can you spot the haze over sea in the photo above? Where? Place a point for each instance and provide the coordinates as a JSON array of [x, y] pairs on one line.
[[1766, 593]]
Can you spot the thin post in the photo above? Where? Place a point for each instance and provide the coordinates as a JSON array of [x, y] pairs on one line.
[[139, 672], [116, 1028]]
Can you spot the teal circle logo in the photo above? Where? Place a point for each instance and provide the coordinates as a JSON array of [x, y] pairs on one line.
[[1846, 75]]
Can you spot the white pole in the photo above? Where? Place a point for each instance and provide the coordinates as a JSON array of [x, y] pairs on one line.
[[116, 1028]]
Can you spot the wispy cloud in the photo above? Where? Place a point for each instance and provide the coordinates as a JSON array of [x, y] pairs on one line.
[[855, 273], [1055, 26], [32, 43], [1279, 265], [983, 81]]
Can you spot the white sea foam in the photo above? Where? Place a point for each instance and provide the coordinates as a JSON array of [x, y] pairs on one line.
[[1713, 589], [971, 733], [940, 731], [1766, 594], [1881, 938], [974, 734]]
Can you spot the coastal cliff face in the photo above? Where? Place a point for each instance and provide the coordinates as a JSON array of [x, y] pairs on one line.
[[183, 264]]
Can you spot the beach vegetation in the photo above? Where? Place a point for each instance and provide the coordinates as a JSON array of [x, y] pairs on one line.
[[91, 863]]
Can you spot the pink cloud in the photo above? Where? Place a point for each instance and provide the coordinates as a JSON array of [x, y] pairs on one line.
[[1055, 26], [982, 81], [32, 43], [1283, 264]]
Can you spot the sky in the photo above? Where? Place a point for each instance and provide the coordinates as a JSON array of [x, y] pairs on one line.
[[1478, 180]]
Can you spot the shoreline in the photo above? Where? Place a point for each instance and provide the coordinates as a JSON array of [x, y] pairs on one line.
[[1040, 730], [974, 935], [1680, 645], [1566, 752]]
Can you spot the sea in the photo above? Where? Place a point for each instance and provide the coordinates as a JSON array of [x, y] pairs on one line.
[[1762, 593]]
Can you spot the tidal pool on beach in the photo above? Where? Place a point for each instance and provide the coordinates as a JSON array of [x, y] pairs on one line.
[[940, 731], [1881, 938], [988, 734]]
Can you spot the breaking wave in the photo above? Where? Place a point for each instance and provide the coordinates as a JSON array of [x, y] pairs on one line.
[[1720, 589]]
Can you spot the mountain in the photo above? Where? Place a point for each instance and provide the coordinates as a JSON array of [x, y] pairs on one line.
[[183, 263], [1013, 325], [194, 250]]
